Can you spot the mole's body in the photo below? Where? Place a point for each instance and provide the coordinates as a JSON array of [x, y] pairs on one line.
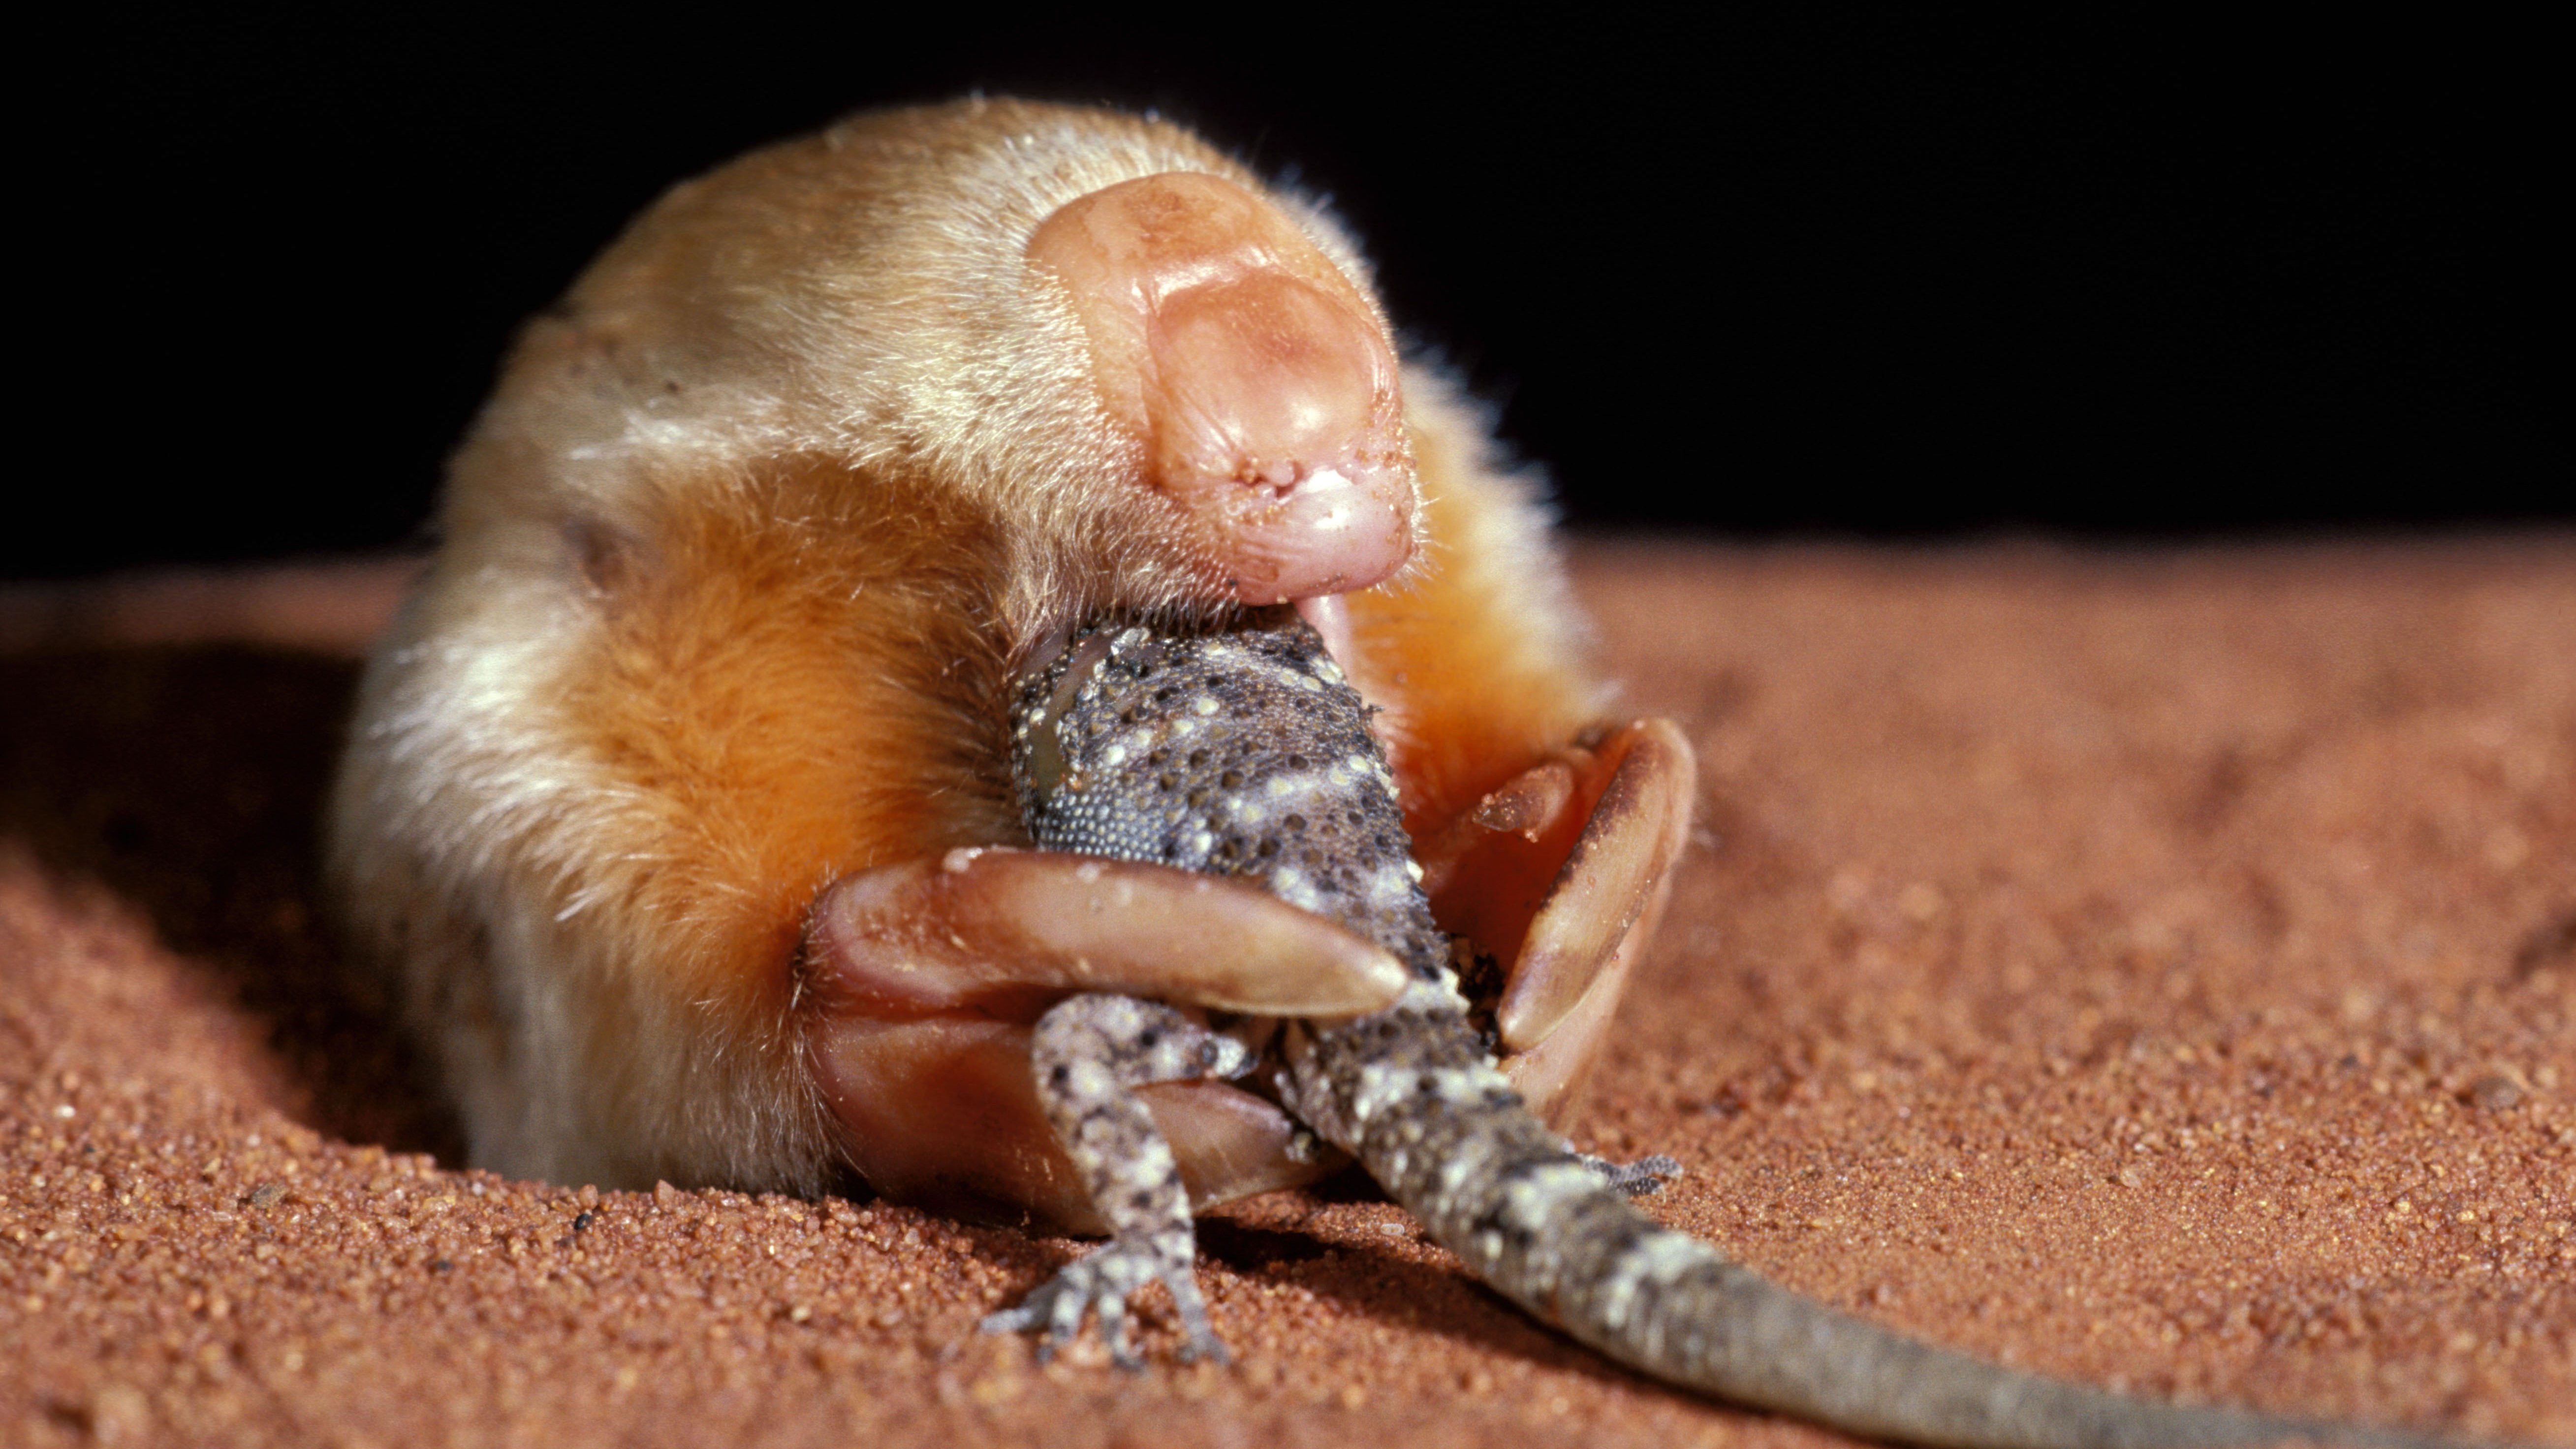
[[681, 808], [653, 784]]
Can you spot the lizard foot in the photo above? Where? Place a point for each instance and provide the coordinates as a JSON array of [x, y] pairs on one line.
[[1101, 1281], [1633, 1179], [1088, 1055]]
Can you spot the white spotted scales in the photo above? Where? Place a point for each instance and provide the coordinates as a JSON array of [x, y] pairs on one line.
[[1243, 752]]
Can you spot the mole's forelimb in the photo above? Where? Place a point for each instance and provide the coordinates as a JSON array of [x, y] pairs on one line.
[[1243, 753]]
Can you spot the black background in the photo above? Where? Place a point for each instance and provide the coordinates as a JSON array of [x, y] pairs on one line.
[[1847, 276]]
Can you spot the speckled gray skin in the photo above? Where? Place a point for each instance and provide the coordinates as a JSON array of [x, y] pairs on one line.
[[1244, 753], [1090, 1053]]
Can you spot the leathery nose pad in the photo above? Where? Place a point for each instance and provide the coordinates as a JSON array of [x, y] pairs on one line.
[[1258, 379]]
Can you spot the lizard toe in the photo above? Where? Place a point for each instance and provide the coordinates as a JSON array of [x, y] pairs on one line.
[[1099, 1284], [1640, 1178]]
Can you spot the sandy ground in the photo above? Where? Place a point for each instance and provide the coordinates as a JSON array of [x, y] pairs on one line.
[[2153, 968]]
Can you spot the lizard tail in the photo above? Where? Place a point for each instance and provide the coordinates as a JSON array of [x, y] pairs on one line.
[[1442, 1132]]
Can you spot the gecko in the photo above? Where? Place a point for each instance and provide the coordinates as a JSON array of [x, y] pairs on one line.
[[1246, 753]]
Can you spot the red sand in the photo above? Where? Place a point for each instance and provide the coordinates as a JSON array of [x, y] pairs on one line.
[[2155, 968]]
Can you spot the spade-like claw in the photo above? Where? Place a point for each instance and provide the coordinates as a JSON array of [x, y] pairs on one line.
[[923, 979], [1562, 873]]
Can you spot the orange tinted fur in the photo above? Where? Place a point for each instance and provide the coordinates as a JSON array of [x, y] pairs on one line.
[[804, 687], [1478, 659]]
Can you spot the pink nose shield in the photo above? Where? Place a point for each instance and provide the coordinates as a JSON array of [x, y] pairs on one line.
[[1259, 382]]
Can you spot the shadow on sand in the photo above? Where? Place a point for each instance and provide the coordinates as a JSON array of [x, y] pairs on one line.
[[188, 781]]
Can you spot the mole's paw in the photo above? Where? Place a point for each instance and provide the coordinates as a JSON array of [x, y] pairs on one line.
[[921, 980], [1102, 1281], [1562, 872], [992, 933], [1634, 1179]]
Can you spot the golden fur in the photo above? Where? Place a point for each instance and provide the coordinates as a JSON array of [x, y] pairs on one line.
[[736, 565]]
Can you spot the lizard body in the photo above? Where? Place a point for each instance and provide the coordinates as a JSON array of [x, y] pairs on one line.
[[1247, 754]]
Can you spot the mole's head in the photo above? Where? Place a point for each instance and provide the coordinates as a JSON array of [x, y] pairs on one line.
[[1255, 381], [1079, 353]]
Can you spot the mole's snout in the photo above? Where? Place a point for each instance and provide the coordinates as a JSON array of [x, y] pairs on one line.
[[1258, 380]]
